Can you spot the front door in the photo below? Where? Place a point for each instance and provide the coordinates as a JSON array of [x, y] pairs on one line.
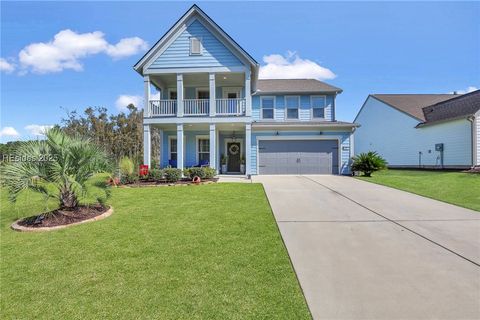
[[233, 155]]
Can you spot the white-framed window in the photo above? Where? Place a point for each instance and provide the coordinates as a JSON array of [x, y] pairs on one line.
[[292, 103], [267, 105], [173, 149], [318, 104], [203, 149], [196, 47]]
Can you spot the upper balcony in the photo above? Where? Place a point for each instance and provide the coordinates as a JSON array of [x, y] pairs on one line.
[[198, 95], [196, 107]]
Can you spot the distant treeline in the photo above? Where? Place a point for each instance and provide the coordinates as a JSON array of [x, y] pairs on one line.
[[119, 135]]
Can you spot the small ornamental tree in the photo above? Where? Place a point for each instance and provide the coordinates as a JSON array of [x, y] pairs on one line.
[[368, 162], [60, 162]]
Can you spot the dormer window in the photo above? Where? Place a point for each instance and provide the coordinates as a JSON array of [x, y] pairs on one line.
[[196, 46]]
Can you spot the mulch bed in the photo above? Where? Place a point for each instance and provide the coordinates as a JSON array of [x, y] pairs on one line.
[[147, 183], [61, 217]]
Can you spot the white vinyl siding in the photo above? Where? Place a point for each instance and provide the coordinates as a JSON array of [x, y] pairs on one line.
[[394, 136], [477, 120], [267, 106]]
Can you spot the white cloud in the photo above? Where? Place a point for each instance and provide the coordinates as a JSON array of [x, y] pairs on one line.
[[9, 132], [467, 90], [291, 66], [124, 100], [126, 47], [68, 47], [6, 66], [37, 130]]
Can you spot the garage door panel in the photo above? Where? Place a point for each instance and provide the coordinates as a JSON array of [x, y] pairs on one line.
[[298, 156]]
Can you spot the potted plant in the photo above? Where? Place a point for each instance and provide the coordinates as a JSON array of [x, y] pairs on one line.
[[223, 162], [242, 164]]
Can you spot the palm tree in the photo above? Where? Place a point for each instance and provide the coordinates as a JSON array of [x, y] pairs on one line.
[[62, 162]]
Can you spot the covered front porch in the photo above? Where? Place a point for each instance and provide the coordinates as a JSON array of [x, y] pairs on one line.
[[222, 146]]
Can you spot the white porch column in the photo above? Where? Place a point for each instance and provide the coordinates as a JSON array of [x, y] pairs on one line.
[[213, 105], [180, 145], [147, 143], [248, 94], [248, 148], [213, 146], [146, 84], [179, 95]]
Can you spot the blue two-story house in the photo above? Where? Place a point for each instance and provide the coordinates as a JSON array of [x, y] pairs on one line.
[[213, 110]]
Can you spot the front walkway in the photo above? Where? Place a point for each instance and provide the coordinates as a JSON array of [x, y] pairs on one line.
[[367, 251]]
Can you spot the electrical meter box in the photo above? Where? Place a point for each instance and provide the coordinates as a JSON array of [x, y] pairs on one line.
[[439, 147]]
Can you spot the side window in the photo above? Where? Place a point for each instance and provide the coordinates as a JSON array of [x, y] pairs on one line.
[[267, 105], [172, 95], [292, 103], [318, 107], [203, 150], [173, 149]]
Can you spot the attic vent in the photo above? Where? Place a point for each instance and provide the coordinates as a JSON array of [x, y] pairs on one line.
[[195, 46]]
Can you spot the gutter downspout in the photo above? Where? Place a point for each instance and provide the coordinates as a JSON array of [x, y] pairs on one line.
[[474, 147]]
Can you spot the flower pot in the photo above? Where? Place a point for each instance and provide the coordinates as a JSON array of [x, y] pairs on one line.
[[224, 168]]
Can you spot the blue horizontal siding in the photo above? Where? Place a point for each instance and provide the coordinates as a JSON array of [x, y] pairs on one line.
[[177, 55], [344, 145], [304, 112]]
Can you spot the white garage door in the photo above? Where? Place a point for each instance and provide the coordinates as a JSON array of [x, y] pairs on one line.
[[298, 156]]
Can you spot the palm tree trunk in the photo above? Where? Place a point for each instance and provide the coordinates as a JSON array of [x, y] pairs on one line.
[[68, 199]]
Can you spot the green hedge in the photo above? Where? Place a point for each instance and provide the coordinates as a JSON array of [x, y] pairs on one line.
[[201, 172]]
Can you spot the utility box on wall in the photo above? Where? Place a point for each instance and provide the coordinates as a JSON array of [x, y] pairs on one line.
[[439, 147]]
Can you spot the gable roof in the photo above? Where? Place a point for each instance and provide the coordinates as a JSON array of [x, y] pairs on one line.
[[455, 108], [265, 86], [196, 11], [412, 104]]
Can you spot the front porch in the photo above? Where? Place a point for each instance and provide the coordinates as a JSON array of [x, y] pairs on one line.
[[222, 146]]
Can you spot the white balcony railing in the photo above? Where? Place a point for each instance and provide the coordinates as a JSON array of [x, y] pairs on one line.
[[230, 107], [196, 107], [163, 108]]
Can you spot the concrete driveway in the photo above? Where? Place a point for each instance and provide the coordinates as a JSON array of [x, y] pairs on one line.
[[365, 251]]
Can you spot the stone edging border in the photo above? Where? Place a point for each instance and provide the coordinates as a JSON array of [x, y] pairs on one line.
[[15, 226]]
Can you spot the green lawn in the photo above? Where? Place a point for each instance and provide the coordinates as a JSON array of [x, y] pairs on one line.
[[461, 189], [194, 252]]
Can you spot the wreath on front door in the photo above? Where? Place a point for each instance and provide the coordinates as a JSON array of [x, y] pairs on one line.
[[234, 149]]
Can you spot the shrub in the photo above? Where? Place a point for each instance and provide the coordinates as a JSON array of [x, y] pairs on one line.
[[155, 174], [126, 166], [194, 172], [201, 172], [129, 178], [172, 174], [368, 162], [210, 173]]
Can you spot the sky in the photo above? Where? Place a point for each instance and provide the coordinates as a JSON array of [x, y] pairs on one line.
[[64, 56]]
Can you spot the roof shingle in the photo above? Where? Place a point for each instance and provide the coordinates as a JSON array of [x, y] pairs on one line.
[[460, 106], [294, 86], [413, 104]]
